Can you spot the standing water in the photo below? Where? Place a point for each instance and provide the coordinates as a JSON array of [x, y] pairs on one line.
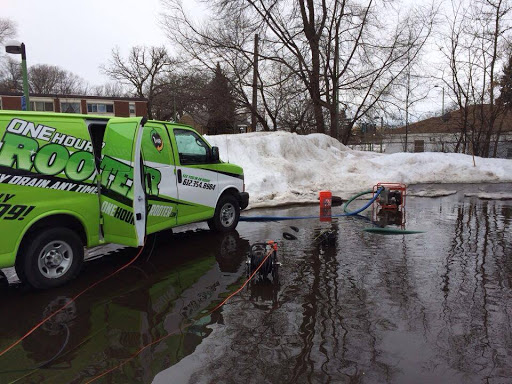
[[360, 307]]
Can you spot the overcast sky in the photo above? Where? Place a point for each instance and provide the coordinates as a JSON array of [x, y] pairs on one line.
[[79, 35]]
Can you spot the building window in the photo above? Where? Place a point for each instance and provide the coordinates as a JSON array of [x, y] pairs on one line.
[[419, 146], [41, 106], [100, 108], [70, 107], [132, 108]]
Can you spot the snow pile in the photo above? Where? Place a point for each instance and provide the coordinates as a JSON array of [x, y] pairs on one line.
[[282, 167], [432, 193], [490, 196]]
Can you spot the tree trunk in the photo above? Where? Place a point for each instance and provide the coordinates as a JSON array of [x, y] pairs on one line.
[[345, 137], [315, 88], [335, 107], [313, 33]]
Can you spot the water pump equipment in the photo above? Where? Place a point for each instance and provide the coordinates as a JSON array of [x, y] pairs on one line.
[[264, 254], [389, 207]]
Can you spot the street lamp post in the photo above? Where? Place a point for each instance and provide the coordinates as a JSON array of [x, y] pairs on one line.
[[174, 106], [16, 48]]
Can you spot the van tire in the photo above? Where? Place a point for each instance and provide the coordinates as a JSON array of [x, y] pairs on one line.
[[50, 258], [226, 214]]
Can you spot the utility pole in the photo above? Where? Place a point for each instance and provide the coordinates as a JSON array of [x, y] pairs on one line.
[[254, 84], [442, 105], [336, 85], [442, 111], [174, 106]]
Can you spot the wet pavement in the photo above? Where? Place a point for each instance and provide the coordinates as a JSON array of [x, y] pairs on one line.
[[362, 308]]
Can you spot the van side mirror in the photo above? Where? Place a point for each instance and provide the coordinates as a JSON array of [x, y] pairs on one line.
[[215, 155]]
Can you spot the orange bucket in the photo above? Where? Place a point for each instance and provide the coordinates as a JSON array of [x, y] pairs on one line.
[[325, 198]]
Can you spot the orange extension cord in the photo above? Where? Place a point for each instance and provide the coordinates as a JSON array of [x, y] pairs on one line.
[[172, 333], [38, 325], [73, 299]]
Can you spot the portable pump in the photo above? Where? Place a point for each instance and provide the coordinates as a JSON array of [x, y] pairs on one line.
[[258, 254], [389, 208], [392, 196]]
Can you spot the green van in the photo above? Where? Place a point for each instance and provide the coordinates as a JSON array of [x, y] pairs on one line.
[[70, 181]]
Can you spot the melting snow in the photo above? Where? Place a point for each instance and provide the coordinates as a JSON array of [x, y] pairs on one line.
[[490, 196], [432, 193], [283, 167]]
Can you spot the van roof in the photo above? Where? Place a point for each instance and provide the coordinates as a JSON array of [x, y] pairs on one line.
[[80, 115], [51, 114], [171, 123]]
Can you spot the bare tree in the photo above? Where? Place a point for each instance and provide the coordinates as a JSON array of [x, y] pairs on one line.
[[43, 79], [7, 29], [51, 79], [182, 92], [229, 42], [140, 71], [11, 78], [10, 71], [411, 86], [327, 47], [475, 49], [109, 90]]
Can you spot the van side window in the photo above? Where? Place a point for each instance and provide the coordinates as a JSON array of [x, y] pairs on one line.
[[191, 148], [156, 147]]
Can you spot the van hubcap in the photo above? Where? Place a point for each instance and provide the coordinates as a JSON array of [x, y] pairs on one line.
[[55, 259], [227, 214]]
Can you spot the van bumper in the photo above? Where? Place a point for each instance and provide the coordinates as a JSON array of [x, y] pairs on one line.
[[243, 200]]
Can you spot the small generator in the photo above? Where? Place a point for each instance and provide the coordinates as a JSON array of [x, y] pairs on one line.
[[389, 207]]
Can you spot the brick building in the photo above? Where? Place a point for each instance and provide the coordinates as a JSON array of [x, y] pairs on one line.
[[97, 105]]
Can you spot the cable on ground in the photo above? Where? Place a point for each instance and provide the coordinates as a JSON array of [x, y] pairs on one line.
[[347, 213], [188, 325], [38, 325]]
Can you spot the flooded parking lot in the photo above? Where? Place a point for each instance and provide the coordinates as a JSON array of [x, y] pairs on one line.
[[424, 308]]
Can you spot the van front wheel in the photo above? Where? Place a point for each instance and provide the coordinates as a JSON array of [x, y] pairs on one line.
[[50, 258], [226, 214]]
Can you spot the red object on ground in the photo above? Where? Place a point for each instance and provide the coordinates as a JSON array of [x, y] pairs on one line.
[[325, 205], [390, 211]]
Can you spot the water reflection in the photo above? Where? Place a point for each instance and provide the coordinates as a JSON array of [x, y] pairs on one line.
[[367, 308], [348, 306], [476, 293], [173, 281]]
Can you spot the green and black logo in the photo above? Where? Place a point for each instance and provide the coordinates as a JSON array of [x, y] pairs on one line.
[[157, 140], [29, 161], [19, 151]]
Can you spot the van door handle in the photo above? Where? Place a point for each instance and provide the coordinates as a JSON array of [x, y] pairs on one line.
[[179, 176]]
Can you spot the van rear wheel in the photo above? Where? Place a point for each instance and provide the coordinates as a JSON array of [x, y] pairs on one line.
[[226, 214], [50, 258]]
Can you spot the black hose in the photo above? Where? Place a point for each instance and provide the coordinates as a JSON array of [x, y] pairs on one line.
[[42, 365]]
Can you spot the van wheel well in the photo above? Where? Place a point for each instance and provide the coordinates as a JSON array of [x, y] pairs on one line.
[[66, 221], [230, 191]]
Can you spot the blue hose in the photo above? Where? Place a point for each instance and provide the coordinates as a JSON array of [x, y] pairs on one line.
[[281, 218]]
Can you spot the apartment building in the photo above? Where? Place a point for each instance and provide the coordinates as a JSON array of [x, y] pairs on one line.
[[97, 105]]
